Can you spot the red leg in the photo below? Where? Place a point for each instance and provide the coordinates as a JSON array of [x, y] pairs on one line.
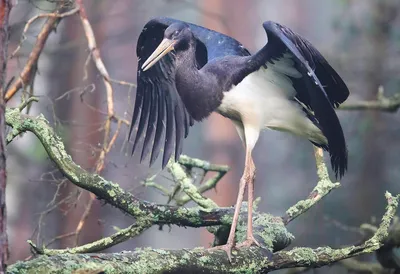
[[250, 237], [249, 134], [231, 239], [247, 179]]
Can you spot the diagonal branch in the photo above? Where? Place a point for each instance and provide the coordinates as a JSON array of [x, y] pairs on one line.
[[107, 141], [144, 212], [39, 16], [99, 245], [31, 65], [106, 190], [323, 188]]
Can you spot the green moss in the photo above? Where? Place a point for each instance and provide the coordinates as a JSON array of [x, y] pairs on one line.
[[189, 188], [298, 207], [303, 254], [160, 251], [205, 260], [112, 193]]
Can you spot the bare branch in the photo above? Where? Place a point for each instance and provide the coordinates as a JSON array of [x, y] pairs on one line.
[[30, 67], [39, 16], [382, 103]]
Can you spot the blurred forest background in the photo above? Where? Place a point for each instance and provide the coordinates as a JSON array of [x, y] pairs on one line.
[[361, 39]]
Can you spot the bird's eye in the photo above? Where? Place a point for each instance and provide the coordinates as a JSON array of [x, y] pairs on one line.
[[176, 33]]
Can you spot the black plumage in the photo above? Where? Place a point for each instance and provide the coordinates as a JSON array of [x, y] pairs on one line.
[[160, 79], [185, 72], [320, 86]]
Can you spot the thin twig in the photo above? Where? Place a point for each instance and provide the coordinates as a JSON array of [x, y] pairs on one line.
[[99, 245], [30, 67], [34, 18], [189, 163], [179, 176], [28, 102], [107, 144]]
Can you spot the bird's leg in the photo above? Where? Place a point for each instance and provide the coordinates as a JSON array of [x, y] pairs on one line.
[[247, 179], [249, 133], [231, 239], [250, 191]]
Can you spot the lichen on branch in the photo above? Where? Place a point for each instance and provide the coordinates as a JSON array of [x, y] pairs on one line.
[[247, 260], [104, 189], [270, 229]]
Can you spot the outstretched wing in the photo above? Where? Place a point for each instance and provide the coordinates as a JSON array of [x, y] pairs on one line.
[[159, 111], [319, 88]]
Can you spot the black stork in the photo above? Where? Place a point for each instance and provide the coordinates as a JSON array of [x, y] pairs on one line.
[[185, 72]]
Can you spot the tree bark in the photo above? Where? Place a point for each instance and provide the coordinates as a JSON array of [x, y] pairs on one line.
[[5, 7]]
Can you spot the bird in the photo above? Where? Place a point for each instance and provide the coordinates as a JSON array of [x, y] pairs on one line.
[[186, 72]]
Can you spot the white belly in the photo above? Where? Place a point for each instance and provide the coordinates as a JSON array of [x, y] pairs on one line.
[[264, 99]]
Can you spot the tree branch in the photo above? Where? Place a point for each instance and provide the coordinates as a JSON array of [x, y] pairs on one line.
[[99, 245], [269, 229], [103, 189], [382, 103], [251, 260], [31, 65], [323, 188]]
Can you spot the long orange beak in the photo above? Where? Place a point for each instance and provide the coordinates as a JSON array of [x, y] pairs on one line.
[[163, 48]]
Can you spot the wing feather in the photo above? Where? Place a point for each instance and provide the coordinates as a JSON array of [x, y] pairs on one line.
[[320, 88], [160, 129], [170, 126], [152, 123], [179, 129], [144, 116], [159, 110]]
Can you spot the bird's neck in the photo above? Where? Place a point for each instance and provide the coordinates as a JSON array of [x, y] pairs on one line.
[[198, 90]]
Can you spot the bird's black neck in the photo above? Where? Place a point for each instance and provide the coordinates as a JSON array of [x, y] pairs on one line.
[[198, 90]]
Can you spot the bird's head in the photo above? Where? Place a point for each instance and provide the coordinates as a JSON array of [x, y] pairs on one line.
[[176, 37]]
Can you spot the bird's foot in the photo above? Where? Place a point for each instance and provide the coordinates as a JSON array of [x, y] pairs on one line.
[[250, 241], [226, 247]]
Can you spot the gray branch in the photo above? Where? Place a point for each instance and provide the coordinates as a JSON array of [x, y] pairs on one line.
[[382, 103]]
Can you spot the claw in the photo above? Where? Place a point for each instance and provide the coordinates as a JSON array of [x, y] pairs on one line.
[[248, 242], [226, 247]]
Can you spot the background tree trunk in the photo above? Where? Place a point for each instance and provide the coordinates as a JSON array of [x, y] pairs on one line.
[[5, 7]]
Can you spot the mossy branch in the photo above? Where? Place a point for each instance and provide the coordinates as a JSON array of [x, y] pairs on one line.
[[99, 245], [104, 189], [271, 230], [184, 178], [323, 188], [146, 213], [179, 176], [252, 260]]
